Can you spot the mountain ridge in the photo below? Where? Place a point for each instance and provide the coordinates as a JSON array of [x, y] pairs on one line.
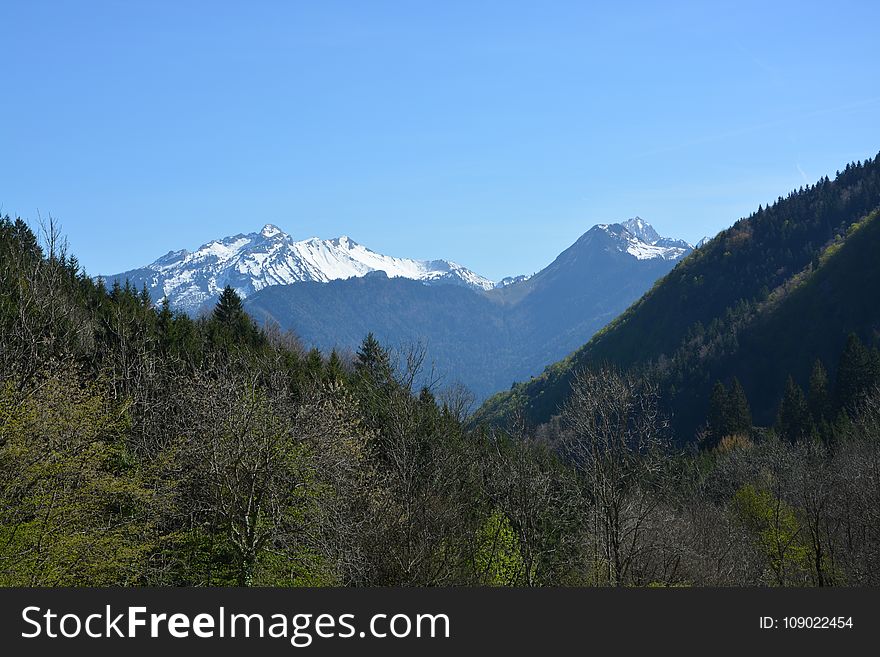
[[249, 262]]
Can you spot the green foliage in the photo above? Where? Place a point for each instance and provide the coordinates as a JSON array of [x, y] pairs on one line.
[[498, 560], [228, 310], [777, 530], [75, 511], [740, 414]]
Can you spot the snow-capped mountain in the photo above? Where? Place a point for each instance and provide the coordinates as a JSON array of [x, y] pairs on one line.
[[642, 230], [638, 238], [250, 262], [634, 237]]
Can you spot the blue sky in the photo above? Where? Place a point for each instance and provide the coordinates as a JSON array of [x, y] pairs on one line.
[[490, 133]]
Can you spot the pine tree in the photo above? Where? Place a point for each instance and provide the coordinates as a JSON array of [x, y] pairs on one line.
[[315, 364], [145, 299], [819, 399], [335, 368], [718, 412], [854, 373], [25, 238], [739, 414], [793, 421], [729, 411], [163, 324], [230, 324], [229, 308], [373, 382], [426, 397], [874, 371], [373, 362]]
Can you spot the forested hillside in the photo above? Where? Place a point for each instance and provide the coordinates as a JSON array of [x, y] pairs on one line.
[[141, 447], [763, 300]]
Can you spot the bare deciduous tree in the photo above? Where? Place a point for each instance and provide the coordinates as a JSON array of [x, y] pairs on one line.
[[614, 437]]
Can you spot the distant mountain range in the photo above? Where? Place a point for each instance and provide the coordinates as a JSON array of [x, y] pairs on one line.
[[331, 293], [253, 261], [761, 301], [250, 262]]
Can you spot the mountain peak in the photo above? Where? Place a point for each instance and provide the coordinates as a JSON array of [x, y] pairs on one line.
[[344, 241], [641, 229], [639, 239], [271, 230]]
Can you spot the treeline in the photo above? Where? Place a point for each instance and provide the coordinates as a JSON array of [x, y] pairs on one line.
[[139, 446], [820, 414]]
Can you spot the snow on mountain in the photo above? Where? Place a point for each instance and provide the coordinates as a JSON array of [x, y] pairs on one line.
[[250, 262], [639, 239], [510, 280], [641, 229], [623, 240], [272, 257]]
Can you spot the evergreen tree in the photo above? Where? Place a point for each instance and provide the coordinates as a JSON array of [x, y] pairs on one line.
[[874, 372], [335, 368], [718, 412], [819, 399], [315, 364], [229, 307], [230, 324], [22, 236], [373, 362], [426, 397], [374, 382], [793, 422], [739, 415], [854, 373], [164, 321], [729, 412]]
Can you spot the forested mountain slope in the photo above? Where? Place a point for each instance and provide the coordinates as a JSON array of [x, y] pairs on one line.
[[762, 299]]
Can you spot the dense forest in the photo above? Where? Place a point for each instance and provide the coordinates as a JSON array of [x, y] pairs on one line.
[[139, 446]]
